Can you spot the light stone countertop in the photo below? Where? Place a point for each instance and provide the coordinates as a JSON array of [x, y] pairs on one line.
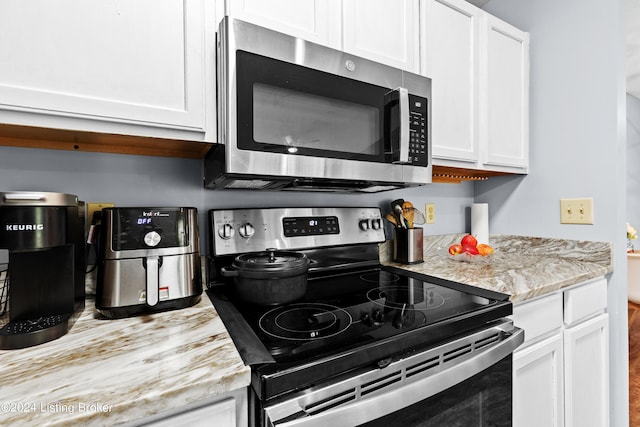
[[521, 267], [107, 372]]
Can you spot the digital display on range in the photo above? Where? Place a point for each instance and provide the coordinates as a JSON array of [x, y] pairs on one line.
[[310, 226]]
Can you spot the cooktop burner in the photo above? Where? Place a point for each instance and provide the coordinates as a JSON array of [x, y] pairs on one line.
[[305, 322]]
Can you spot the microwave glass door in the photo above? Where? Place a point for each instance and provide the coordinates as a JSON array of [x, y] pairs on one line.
[[287, 108]]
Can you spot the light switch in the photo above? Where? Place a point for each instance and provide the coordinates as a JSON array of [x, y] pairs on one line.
[[576, 211]]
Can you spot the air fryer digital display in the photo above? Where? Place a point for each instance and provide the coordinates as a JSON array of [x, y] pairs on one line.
[[130, 226]]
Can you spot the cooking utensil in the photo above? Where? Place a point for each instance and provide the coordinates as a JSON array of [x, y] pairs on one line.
[[392, 219], [269, 278], [417, 217], [396, 209]]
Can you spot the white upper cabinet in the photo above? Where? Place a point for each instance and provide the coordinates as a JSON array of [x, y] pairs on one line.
[[507, 94], [383, 31], [380, 30], [121, 67], [480, 71], [317, 21], [450, 57]]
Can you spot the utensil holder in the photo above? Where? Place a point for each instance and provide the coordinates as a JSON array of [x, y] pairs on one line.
[[407, 245]]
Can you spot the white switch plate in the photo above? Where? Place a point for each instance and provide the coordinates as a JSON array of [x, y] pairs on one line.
[[576, 211]]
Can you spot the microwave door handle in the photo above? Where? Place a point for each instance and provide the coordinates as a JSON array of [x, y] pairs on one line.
[[405, 135]]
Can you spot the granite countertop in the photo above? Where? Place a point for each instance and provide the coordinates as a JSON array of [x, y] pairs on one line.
[[521, 267], [116, 371], [107, 372]]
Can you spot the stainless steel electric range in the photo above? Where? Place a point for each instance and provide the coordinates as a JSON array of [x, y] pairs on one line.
[[366, 344]]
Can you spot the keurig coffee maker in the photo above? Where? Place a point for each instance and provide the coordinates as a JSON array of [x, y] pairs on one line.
[[149, 260], [44, 234]]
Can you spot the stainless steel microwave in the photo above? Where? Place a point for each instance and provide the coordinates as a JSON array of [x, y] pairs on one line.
[[294, 115]]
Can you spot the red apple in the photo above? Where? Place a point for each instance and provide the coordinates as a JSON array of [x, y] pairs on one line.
[[469, 240], [455, 249], [471, 250]]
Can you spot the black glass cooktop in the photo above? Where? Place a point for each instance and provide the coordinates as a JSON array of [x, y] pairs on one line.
[[348, 310], [351, 319]]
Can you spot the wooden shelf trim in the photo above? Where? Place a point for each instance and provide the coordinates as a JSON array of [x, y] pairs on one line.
[[61, 139], [445, 174]]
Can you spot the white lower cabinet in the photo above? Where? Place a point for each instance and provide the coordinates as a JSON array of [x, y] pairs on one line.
[[228, 410], [561, 372], [538, 387], [587, 376]]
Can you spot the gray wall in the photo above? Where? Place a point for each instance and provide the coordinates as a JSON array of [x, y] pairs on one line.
[[155, 181], [577, 140]]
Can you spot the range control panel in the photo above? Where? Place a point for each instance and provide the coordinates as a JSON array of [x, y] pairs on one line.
[[253, 230]]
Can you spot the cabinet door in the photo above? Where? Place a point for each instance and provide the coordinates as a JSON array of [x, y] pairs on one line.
[[505, 105], [538, 384], [383, 31], [128, 62], [450, 58], [586, 349], [219, 414], [317, 21]]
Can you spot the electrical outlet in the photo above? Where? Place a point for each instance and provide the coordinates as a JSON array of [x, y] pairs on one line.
[[96, 206], [576, 211], [430, 213]]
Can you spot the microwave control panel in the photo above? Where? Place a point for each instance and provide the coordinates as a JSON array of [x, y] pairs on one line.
[[418, 130]]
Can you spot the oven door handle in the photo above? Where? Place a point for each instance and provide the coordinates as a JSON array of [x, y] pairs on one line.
[[369, 409]]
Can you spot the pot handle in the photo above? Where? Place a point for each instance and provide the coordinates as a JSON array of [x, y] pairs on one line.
[[228, 272]]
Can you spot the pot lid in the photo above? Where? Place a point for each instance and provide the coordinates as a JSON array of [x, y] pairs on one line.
[[271, 259]]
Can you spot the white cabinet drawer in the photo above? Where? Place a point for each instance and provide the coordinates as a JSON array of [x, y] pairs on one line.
[[585, 301], [538, 317]]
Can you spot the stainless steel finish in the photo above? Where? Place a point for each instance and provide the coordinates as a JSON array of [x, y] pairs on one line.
[[407, 245], [30, 198], [403, 95], [152, 275], [268, 229], [378, 392], [126, 280], [237, 35]]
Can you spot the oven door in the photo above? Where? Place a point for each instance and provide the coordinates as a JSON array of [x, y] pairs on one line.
[[465, 382], [297, 109]]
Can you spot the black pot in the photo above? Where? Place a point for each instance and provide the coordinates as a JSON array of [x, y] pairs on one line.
[[269, 278]]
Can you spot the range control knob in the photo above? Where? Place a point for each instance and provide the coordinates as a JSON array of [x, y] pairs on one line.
[[226, 231], [378, 316], [152, 238], [247, 230], [364, 224], [376, 224]]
